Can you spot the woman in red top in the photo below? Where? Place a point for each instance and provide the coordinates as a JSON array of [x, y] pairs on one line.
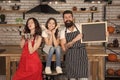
[[30, 66]]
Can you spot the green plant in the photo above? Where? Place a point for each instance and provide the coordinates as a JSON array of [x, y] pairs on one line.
[[2, 17], [19, 20]]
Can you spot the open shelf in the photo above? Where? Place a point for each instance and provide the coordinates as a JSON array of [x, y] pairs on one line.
[[12, 11], [113, 19], [113, 5], [11, 25], [115, 76]]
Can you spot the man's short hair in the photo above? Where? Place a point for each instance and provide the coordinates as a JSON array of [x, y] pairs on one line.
[[67, 12]]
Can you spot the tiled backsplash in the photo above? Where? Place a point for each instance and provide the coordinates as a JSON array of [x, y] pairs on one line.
[[10, 35]]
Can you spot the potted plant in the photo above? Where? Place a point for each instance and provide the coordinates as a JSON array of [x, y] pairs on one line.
[[2, 17], [19, 20]]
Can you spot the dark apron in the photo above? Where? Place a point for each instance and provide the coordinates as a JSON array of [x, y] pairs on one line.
[[76, 60]]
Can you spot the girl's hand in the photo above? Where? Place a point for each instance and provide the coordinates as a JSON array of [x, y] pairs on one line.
[[53, 31], [49, 32]]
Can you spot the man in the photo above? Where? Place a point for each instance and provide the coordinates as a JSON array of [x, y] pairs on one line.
[[76, 60]]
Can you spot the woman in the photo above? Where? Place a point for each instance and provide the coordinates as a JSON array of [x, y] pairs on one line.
[[51, 37], [30, 66]]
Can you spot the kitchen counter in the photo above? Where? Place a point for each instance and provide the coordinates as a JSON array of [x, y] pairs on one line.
[[96, 56], [16, 50]]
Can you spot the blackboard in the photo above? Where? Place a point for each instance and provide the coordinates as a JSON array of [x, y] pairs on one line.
[[94, 32]]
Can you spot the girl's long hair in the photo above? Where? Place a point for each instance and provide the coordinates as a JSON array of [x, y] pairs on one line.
[[38, 30], [46, 25]]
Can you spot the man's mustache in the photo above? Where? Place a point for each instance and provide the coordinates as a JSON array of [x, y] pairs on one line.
[[68, 21]]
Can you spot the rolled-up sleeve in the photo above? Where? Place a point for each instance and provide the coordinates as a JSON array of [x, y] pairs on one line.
[[44, 34], [62, 33]]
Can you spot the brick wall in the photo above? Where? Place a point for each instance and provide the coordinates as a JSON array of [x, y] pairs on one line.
[[10, 35]]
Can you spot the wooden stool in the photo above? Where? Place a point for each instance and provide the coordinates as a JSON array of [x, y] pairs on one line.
[[50, 76], [54, 73]]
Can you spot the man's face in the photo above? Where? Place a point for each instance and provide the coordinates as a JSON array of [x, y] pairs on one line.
[[68, 20]]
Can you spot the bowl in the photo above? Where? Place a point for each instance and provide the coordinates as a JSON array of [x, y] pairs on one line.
[[82, 9]]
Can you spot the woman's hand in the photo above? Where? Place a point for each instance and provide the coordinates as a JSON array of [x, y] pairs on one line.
[[30, 38]]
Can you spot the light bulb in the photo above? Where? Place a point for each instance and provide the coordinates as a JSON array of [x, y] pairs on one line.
[[56, 2], [9, 1]]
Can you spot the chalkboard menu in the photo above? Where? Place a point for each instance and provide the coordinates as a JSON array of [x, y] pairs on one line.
[[94, 32]]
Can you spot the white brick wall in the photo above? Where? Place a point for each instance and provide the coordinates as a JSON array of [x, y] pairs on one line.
[[8, 37]]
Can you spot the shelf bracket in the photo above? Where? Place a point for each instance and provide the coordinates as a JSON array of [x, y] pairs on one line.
[[23, 15], [92, 16], [104, 13]]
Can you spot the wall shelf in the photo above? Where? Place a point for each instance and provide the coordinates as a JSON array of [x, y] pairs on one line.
[[113, 5], [11, 25], [12, 11], [114, 65], [113, 19]]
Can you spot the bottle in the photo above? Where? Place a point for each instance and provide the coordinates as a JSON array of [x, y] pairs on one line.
[[89, 20]]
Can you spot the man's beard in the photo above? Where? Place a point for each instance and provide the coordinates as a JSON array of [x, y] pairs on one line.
[[69, 24]]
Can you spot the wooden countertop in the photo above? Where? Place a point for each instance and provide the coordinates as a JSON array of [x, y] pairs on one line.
[[16, 51]]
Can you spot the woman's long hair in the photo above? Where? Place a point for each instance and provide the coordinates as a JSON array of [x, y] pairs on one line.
[[46, 25], [38, 30]]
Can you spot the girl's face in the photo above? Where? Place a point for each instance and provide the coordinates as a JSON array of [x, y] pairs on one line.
[[51, 24], [31, 24]]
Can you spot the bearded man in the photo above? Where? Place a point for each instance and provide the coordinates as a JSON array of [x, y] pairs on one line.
[[76, 60]]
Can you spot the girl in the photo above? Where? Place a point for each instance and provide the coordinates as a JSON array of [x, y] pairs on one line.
[[30, 66], [51, 38]]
